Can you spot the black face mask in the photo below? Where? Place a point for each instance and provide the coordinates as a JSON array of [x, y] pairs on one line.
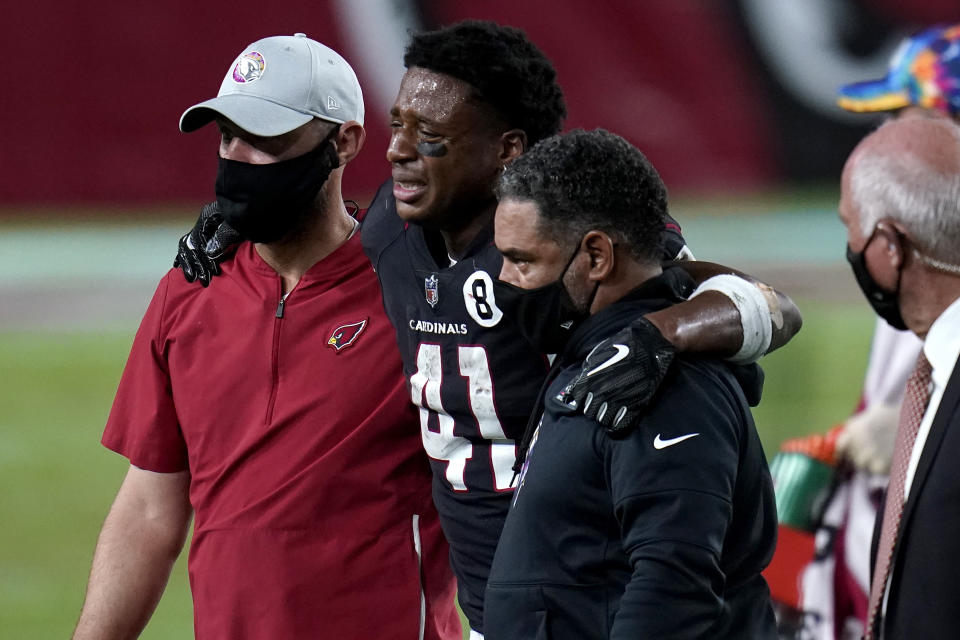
[[547, 315], [268, 202], [885, 303]]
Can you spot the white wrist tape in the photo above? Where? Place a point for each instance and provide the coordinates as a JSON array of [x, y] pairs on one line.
[[755, 314]]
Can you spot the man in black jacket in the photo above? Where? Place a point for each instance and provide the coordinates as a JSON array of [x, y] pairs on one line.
[[659, 531]]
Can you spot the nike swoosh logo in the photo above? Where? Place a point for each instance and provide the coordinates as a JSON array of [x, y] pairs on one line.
[[622, 352], [658, 443]]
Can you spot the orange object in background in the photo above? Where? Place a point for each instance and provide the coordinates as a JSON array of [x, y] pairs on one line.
[[795, 549], [803, 472]]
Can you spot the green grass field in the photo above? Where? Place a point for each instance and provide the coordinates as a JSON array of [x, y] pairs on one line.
[[58, 481]]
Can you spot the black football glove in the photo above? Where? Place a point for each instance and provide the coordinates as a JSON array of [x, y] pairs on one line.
[[201, 251], [621, 375]]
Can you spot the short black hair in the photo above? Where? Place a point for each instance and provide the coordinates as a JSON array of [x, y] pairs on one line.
[[586, 180], [507, 72]]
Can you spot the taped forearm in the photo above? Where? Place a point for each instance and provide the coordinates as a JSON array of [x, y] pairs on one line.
[[759, 311], [727, 302]]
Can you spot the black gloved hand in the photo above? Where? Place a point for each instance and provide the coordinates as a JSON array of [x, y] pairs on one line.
[[201, 251], [621, 375]]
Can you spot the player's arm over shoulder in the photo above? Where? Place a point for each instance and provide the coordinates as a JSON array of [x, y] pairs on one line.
[[730, 314]]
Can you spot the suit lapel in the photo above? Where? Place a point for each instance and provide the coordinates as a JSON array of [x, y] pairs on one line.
[[941, 422]]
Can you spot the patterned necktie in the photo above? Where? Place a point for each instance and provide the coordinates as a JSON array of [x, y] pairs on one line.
[[915, 400]]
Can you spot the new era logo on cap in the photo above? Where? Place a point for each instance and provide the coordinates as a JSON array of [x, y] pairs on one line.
[[280, 83]]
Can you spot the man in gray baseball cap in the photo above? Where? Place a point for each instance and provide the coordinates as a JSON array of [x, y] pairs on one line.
[[290, 89], [278, 84], [310, 489]]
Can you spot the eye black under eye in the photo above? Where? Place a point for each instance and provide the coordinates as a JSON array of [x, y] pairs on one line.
[[431, 149]]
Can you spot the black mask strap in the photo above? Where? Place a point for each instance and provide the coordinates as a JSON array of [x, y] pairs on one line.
[[552, 374], [885, 303]]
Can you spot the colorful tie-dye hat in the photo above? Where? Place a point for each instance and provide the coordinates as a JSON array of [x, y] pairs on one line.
[[924, 71]]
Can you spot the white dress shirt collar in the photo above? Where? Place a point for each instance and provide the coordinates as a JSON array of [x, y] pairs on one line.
[[942, 346]]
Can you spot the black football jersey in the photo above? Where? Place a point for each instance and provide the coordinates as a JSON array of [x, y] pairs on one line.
[[471, 373]]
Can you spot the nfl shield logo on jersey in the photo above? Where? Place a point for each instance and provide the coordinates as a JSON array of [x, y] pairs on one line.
[[430, 290]]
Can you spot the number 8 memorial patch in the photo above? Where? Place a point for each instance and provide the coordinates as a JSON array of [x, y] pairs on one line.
[[479, 299]]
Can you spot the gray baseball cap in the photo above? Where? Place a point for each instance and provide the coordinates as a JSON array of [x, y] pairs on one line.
[[280, 83]]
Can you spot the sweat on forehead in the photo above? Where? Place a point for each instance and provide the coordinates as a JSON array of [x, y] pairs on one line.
[[436, 98], [424, 88]]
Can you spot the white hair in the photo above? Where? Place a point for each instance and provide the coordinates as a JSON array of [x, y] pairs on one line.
[[909, 187]]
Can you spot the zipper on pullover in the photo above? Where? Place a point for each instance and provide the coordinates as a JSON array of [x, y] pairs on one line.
[[275, 358]]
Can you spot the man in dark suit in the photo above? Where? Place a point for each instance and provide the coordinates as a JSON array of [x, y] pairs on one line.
[[900, 202]]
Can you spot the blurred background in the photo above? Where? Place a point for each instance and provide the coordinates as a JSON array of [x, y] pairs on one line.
[[733, 101]]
